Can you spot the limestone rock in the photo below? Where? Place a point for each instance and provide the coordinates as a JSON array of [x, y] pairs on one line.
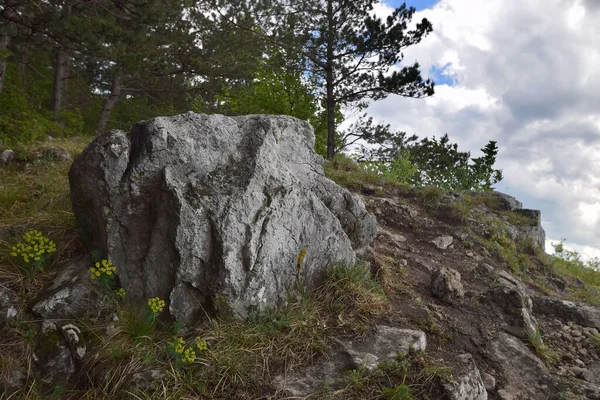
[[332, 370], [52, 355], [506, 202], [74, 340], [8, 306], [219, 206], [511, 297], [55, 153], [6, 157], [443, 242], [147, 379], [446, 285], [72, 294], [592, 374], [467, 383], [567, 311], [385, 345], [488, 381], [522, 370]]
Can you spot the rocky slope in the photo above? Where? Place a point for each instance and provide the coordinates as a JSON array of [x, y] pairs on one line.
[[454, 298]]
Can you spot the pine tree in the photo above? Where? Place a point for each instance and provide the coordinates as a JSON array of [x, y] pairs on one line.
[[350, 51]]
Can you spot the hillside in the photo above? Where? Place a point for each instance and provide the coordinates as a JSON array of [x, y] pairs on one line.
[[456, 283]]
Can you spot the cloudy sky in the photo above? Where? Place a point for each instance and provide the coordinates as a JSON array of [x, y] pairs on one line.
[[526, 74]]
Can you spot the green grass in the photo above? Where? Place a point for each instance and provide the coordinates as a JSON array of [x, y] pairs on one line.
[[547, 355], [414, 376], [37, 197], [346, 172]]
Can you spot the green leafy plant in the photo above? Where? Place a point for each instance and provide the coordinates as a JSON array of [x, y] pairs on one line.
[[400, 392]]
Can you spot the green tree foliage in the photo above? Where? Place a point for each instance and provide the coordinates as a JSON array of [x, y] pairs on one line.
[[429, 162], [350, 52]]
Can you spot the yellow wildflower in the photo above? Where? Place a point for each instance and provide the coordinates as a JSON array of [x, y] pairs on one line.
[[156, 305]]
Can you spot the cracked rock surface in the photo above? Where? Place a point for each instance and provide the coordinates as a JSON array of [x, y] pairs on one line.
[[211, 212]]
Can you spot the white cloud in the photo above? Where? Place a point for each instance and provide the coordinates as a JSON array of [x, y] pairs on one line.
[[527, 75]]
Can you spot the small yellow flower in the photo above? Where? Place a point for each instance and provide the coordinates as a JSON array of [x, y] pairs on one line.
[[300, 260], [201, 344], [156, 305], [120, 293], [188, 356]]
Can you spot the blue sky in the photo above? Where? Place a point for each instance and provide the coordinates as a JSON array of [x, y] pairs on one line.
[[435, 72], [418, 4]]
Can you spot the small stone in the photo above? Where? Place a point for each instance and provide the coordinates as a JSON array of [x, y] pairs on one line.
[[446, 285], [75, 341], [575, 333], [489, 382], [579, 362], [147, 380], [403, 262], [577, 371], [6, 157], [485, 268], [443, 242]]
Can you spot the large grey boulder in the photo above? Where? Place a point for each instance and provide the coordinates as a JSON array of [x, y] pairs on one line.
[[212, 212]]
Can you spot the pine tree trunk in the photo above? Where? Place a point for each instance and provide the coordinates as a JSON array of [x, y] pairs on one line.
[[60, 72], [329, 82], [3, 47], [109, 104]]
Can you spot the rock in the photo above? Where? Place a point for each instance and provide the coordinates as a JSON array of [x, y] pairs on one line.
[[521, 369], [443, 242], [489, 382], [446, 285], [14, 379], [558, 283], [511, 297], [485, 268], [394, 237], [222, 205], [6, 157], [74, 340], [331, 370], [72, 294], [52, 355], [567, 311], [506, 202], [55, 153], [385, 344], [509, 393], [534, 231], [592, 373], [467, 383], [8, 306], [147, 380]]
